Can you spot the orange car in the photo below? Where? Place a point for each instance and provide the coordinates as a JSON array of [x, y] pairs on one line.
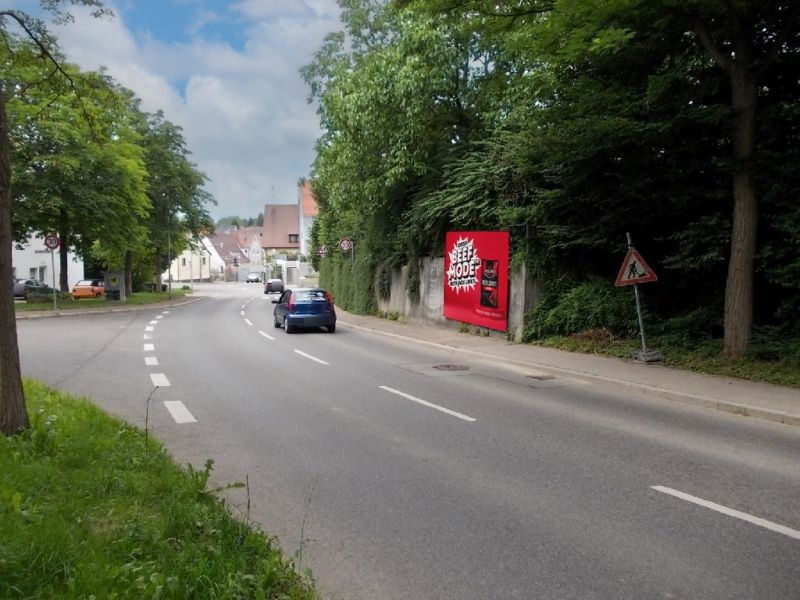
[[88, 288]]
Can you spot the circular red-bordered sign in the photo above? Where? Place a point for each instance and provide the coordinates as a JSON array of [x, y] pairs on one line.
[[346, 244], [52, 242]]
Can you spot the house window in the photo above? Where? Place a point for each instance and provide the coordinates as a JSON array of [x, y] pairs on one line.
[[32, 273], [183, 262], [293, 237], [204, 260]]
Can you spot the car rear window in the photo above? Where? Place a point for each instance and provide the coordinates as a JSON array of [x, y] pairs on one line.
[[310, 296]]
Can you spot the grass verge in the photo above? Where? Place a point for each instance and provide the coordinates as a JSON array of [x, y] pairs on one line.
[[66, 302], [88, 510], [703, 356]]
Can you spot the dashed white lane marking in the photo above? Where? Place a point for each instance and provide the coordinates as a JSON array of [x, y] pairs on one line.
[[452, 413], [792, 533], [248, 322], [153, 322], [159, 379], [159, 316], [149, 347], [242, 313], [150, 361], [266, 335], [166, 312], [149, 328], [179, 412], [147, 336], [308, 356]]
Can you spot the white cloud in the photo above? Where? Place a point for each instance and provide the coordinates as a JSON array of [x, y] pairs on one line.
[[243, 109]]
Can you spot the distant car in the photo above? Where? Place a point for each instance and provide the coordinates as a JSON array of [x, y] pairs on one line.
[[273, 286], [253, 278], [88, 288], [25, 287], [303, 308]]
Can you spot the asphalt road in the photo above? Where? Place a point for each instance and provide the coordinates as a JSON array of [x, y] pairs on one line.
[[395, 470]]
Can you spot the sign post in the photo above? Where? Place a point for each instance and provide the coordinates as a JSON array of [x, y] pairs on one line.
[[635, 270], [52, 242]]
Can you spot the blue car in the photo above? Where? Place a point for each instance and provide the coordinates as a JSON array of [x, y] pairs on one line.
[[304, 308]]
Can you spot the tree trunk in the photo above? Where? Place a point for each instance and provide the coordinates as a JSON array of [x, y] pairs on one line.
[[128, 273], [739, 286], [63, 250], [13, 412]]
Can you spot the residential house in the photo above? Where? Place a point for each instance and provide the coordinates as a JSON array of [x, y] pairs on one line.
[[34, 261], [308, 210], [199, 262], [281, 241]]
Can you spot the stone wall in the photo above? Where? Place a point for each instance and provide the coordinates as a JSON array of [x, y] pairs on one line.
[[523, 293]]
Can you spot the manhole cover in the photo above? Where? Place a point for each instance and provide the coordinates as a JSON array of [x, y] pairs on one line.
[[451, 367], [541, 377]]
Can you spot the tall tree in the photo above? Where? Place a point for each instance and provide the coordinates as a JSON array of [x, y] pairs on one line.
[[179, 201], [85, 182], [13, 412], [750, 41]]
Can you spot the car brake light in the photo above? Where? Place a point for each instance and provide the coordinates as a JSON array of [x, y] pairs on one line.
[[329, 297], [290, 305]]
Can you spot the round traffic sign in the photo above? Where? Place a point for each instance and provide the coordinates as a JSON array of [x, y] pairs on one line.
[[346, 244], [51, 241]]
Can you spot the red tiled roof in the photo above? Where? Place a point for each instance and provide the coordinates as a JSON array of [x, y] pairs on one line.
[[280, 221]]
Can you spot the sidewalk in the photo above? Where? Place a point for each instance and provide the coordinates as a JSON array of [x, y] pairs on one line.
[[742, 397]]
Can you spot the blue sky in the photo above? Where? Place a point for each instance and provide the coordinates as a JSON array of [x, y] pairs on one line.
[[227, 73]]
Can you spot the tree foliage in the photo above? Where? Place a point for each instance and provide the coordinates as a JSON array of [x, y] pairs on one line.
[[79, 158], [572, 122]]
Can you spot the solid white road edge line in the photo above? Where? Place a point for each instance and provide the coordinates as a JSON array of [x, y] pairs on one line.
[[159, 379], [792, 533], [149, 347], [151, 361], [248, 322], [314, 358], [179, 412], [266, 335], [429, 404]]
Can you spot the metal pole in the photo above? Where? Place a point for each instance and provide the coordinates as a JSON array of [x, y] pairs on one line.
[[53, 267], [169, 258], [639, 312], [638, 302]]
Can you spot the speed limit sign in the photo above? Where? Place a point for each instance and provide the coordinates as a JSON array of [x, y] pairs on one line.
[[51, 241]]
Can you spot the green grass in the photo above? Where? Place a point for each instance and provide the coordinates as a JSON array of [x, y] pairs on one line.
[[65, 302], [769, 361], [88, 511]]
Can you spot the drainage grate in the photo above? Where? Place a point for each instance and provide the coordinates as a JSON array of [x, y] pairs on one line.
[[451, 367], [541, 377]]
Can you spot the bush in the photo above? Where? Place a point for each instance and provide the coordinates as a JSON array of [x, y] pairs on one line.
[[570, 308]]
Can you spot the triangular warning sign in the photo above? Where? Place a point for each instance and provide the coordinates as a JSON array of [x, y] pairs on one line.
[[634, 270]]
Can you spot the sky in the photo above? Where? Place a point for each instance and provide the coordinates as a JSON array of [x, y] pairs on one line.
[[227, 72]]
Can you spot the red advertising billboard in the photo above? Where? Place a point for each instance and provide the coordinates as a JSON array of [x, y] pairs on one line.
[[476, 278]]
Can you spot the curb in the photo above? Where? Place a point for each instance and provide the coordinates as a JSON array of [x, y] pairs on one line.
[[745, 410]]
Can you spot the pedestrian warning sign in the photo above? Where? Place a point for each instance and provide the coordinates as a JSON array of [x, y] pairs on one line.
[[634, 270]]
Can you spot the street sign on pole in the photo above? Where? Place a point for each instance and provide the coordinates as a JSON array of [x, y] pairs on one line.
[[52, 242], [635, 270]]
